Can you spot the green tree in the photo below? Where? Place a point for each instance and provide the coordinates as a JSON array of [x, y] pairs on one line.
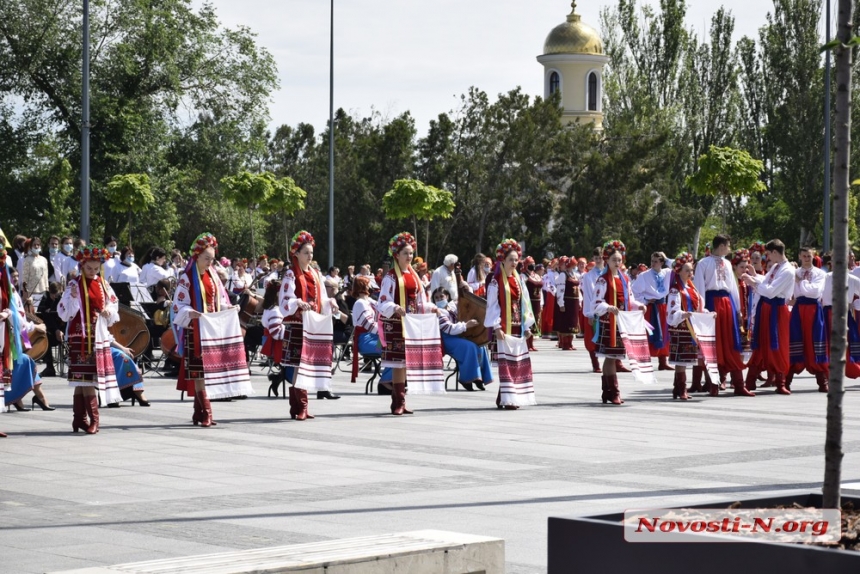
[[286, 199], [726, 172], [415, 200], [249, 191], [130, 193]]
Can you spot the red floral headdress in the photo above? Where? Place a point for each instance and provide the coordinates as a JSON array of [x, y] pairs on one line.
[[757, 246], [263, 258], [202, 243], [564, 260], [708, 249], [682, 259], [300, 239], [612, 246], [92, 253], [505, 247], [529, 261], [399, 241], [274, 260], [740, 255]]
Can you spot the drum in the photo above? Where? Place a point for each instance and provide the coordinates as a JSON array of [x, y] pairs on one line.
[[168, 345], [39, 343], [131, 331], [470, 306], [250, 310]]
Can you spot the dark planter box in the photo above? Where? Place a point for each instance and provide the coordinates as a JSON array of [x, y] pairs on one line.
[[595, 544]]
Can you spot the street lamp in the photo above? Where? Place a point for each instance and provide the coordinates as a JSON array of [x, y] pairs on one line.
[[331, 143], [85, 127], [827, 132]]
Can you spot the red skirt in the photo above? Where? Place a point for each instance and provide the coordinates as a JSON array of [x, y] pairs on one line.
[[604, 343], [292, 344], [774, 361], [272, 348], [546, 326]]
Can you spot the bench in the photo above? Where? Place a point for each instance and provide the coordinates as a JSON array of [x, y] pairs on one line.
[[419, 552]]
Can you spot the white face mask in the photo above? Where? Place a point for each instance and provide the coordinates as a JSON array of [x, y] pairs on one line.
[[442, 304], [35, 251], [53, 250], [111, 250], [486, 268]]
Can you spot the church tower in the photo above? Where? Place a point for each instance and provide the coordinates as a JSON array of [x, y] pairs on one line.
[[573, 62]]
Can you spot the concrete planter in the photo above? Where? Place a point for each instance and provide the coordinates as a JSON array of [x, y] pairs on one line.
[[595, 544]]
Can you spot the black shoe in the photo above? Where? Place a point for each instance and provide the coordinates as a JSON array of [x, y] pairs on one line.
[[273, 387], [48, 372], [327, 395], [467, 386], [136, 397], [113, 406], [43, 406], [480, 386]]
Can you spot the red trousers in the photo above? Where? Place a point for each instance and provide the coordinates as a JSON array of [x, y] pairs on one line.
[[764, 358]]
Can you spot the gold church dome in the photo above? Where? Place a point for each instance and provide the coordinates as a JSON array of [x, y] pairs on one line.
[[573, 37]]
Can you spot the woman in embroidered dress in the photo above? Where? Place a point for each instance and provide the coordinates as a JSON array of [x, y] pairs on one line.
[[473, 361], [89, 306], [365, 334], [477, 277], [567, 307], [683, 300], [18, 371], [509, 312], [534, 284], [612, 294], [199, 290], [401, 292], [301, 290]]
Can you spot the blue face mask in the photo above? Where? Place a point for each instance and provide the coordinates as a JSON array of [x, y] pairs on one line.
[[53, 250], [442, 304], [130, 258], [111, 250], [67, 247]]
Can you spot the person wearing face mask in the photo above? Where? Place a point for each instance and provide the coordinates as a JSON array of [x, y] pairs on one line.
[[473, 361], [56, 260], [18, 253], [35, 274], [111, 265], [67, 250], [534, 284], [127, 271]]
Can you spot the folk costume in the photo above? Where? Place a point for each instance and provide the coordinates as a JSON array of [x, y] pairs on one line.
[[567, 304], [652, 287], [546, 326], [299, 286], [806, 326], [204, 293], [715, 280], [473, 361], [89, 307], [683, 349], [611, 291], [365, 335], [852, 349], [534, 284], [771, 330], [588, 285], [509, 310], [402, 288]]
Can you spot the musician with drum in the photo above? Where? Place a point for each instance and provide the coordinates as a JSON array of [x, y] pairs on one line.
[[473, 361], [18, 369]]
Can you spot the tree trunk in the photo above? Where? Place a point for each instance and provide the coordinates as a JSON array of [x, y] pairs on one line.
[[833, 443], [415, 229], [251, 223], [696, 238], [129, 229], [427, 241], [286, 241]]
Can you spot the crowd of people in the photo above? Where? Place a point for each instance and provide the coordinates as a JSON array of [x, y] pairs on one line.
[[771, 318]]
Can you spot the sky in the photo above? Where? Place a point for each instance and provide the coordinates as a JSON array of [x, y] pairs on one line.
[[394, 56]]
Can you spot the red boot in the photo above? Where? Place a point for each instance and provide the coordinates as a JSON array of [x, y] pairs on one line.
[[613, 392], [205, 410], [696, 385], [742, 389], [789, 378], [398, 399], [79, 414], [752, 377], [606, 387], [302, 401], [295, 405], [781, 389], [92, 405], [530, 341], [620, 368], [679, 390], [821, 379], [595, 364], [197, 417]]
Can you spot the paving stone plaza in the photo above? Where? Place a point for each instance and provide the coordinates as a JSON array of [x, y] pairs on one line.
[[150, 485]]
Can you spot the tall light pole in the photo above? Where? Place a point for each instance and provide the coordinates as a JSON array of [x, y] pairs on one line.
[[85, 127], [331, 143], [827, 132]]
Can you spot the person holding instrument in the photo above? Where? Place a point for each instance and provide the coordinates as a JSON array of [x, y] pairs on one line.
[[473, 361]]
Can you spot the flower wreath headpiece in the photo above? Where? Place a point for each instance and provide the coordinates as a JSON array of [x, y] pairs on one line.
[[505, 247], [682, 259], [399, 241], [612, 246], [740, 255], [757, 246], [92, 253], [203, 242], [299, 239]]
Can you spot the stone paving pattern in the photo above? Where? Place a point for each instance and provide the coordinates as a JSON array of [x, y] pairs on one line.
[[150, 485]]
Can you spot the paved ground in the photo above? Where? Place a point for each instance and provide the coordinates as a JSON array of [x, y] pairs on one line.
[[150, 485]]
